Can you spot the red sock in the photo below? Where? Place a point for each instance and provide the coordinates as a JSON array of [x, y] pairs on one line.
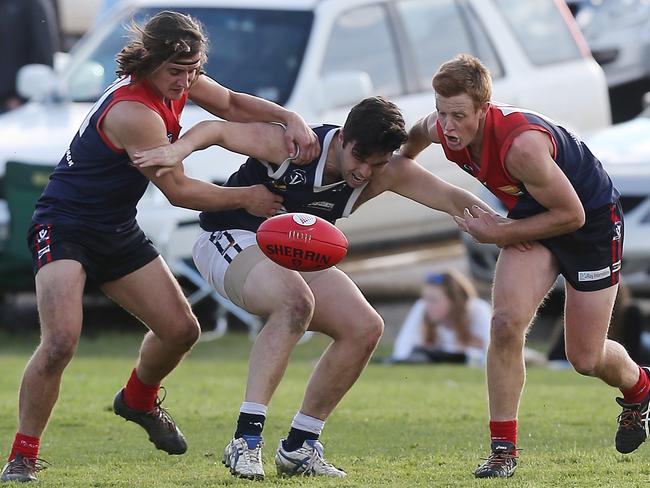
[[139, 396], [505, 430], [639, 391], [25, 445]]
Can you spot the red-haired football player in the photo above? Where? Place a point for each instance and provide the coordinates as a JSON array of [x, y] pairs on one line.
[[558, 196], [356, 164], [84, 227]]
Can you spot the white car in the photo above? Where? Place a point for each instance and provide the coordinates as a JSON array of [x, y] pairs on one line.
[[618, 34], [320, 57], [624, 151]]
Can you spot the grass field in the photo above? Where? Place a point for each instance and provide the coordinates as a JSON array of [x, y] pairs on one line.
[[399, 426]]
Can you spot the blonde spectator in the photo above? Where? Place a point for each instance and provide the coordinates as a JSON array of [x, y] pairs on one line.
[[449, 323]]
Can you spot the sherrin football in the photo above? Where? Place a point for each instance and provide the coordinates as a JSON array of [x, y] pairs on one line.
[[301, 241]]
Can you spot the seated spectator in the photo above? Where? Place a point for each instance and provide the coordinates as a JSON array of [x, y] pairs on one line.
[[449, 323]]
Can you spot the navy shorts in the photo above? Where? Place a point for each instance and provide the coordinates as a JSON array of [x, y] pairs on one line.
[[590, 257], [105, 256]]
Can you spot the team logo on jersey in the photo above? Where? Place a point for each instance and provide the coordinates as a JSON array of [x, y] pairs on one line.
[[43, 235], [618, 232], [329, 206], [511, 190], [296, 177]]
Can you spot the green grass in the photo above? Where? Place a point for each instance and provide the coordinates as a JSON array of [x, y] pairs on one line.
[[399, 426]]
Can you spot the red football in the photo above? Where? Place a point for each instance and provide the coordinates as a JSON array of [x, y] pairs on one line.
[[301, 241]]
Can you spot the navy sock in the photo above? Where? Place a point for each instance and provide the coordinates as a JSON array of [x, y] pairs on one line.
[[249, 424], [296, 438]]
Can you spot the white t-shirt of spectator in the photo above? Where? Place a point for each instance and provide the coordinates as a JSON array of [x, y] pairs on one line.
[[410, 334]]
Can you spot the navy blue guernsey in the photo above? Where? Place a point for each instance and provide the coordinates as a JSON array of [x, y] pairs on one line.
[[301, 186], [95, 184], [502, 124]]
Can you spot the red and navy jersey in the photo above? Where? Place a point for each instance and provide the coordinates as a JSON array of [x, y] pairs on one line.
[[301, 186], [503, 124], [95, 184]]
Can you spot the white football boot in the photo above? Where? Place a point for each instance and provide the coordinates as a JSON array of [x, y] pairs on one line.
[[307, 460], [244, 461]]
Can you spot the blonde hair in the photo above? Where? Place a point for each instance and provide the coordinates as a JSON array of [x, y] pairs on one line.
[[464, 74], [460, 291], [165, 37]]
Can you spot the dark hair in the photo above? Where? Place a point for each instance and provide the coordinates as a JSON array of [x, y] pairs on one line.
[[464, 74], [376, 126], [166, 37]]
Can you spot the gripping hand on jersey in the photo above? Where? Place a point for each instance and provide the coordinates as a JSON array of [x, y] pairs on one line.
[[263, 203]]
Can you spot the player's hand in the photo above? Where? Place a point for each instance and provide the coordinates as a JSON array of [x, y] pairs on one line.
[[166, 156], [481, 225], [263, 203], [301, 141]]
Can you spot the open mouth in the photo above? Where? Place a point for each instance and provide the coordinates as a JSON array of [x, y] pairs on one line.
[[452, 140], [357, 180]]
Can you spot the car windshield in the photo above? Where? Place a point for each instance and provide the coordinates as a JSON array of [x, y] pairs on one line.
[[252, 51]]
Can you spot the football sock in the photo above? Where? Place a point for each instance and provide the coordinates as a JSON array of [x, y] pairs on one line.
[[639, 391], [139, 396], [504, 431], [303, 427], [26, 445], [251, 420]]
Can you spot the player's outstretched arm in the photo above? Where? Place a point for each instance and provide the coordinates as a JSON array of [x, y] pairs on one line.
[[420, 136], [135, 128], [406, 177], [257, 139], [241, 107]]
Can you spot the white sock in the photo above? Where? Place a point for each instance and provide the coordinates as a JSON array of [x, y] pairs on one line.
[[253, 408], [307, 423]]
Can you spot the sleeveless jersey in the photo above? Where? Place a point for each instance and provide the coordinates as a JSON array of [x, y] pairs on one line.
[[301, 186], [502, 124], [95, 184]]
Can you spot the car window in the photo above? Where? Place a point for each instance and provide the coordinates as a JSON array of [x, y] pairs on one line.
[[438, 30], [361, 40], [253, 51], [541, 29]]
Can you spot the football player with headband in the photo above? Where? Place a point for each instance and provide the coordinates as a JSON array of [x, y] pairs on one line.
[[84, 226]]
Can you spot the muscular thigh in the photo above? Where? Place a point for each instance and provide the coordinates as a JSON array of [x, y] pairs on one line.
[[152, 294], [59, 292], [522, 279], [340, 307], [268, 286]]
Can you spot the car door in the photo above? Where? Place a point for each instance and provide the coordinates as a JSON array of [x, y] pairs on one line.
[[399, 45]]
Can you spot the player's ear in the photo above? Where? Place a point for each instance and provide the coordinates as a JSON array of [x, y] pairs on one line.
[[484, 108]]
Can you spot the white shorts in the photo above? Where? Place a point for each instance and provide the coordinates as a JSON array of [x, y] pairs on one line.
[[214, 251]]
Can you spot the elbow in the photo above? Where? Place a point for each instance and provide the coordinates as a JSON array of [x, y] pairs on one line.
[[576, 220]]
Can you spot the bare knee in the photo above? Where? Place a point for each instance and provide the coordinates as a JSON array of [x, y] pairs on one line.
[[583, 363], [507, 330], [297, 311], [371, 332], [364, 334], [56, 351], [184, 333]]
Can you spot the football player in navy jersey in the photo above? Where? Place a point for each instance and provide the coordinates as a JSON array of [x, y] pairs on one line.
[[356, 164], [84, 226], [563, 204]]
